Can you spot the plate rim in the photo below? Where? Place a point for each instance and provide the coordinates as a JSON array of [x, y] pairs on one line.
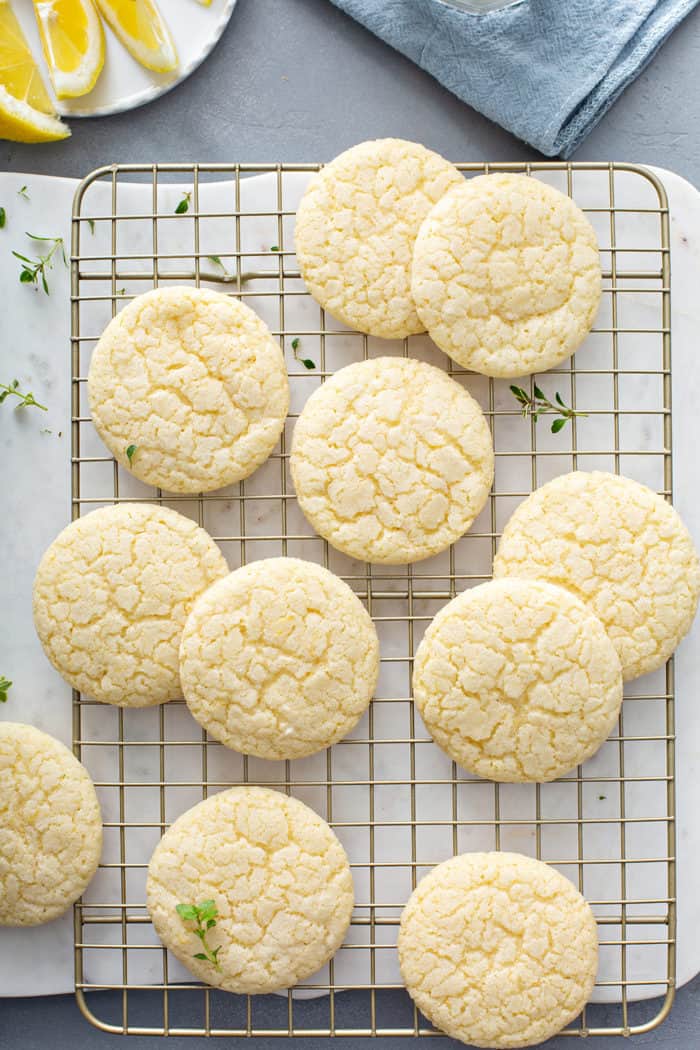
[[158, 88]]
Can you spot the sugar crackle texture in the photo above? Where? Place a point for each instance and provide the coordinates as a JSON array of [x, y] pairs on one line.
[[196, 382], [50, 827], [506, 275], [278, 876], [111, 596], [517, 680], [619, 547], [355, 230], [392, 460], [279, 659], [498, 949]]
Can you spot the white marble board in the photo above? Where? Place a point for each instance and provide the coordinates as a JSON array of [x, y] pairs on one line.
[[34, 347]]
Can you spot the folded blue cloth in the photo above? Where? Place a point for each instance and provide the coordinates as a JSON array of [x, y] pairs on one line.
[[547, 70]]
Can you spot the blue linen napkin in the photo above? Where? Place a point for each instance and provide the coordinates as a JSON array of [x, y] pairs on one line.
[[547, 70]]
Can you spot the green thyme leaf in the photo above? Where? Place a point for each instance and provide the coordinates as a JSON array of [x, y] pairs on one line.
[[5, 684], [184, 204], [539, 404], [274, 247], [3, 218], [130, 452], [91, 224], [204, 915], [22, 192], [25, 400]]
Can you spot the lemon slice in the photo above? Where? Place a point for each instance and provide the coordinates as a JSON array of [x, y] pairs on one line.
[[73, 42], [20, 122], [19, 73], [26, 113], [141, 29]]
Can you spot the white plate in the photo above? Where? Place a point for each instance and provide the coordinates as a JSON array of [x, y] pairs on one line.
[[123, 83]]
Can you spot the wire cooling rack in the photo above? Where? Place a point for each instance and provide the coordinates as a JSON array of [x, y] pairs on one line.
[[397, 803]]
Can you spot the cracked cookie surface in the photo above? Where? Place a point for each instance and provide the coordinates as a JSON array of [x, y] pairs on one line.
[[195, 380], [517, 680], [391, 460], [50, 826], [355, 230], [111, 596], [498, 949], [619, 547], [506, 275], [280, 659], [280, 880]]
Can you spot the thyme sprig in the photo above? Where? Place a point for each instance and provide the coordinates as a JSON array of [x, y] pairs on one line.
[[25, 400], [204, 915], [34, 270], [539, 404]]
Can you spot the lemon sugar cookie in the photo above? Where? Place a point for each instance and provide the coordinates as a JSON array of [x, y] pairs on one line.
[[356, 226], [618, 546], [111, 596], [506, 275], [196, 382], [278, 878], [279, 659], [498, 949], [517, 680], [391, 460], [50, 826]]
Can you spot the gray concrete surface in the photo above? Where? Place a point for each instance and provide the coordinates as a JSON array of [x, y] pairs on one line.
[[297, 80]]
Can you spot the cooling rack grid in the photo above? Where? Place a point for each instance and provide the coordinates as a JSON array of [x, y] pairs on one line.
[[397, 803]]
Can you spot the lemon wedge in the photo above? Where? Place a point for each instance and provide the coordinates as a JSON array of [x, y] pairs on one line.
[[26, 113], [19, 122], [141, 29], [73, 42], [18, 70]]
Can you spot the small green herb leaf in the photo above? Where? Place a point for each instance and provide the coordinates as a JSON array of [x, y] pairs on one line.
[[216, 260], [33, 271], [25, 400], [22, 192], [539, 403], [204, 915], [130, 452], [184, 204], [274, 247], [3, 218], [305, 361], [91, 224], [5, 684]]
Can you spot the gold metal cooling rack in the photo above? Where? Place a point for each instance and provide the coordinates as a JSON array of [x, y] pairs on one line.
[[397, 803]]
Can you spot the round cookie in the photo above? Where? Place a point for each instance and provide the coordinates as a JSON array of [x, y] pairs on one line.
[[498, 950], [618, 546], [280, 659], [506, 275], [517, 680], [391, 460], [50, 827], [196, 382], [355, 230], [278, 877], [111, 596]]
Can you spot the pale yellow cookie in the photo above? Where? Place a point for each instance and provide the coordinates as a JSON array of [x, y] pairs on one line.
[[279, 659], [356, 226], [111, 596], [619, 547], [194, 380], [278, 878], [498, 950], [50, 827], [391, 460], [517, 680], [506, 275]]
